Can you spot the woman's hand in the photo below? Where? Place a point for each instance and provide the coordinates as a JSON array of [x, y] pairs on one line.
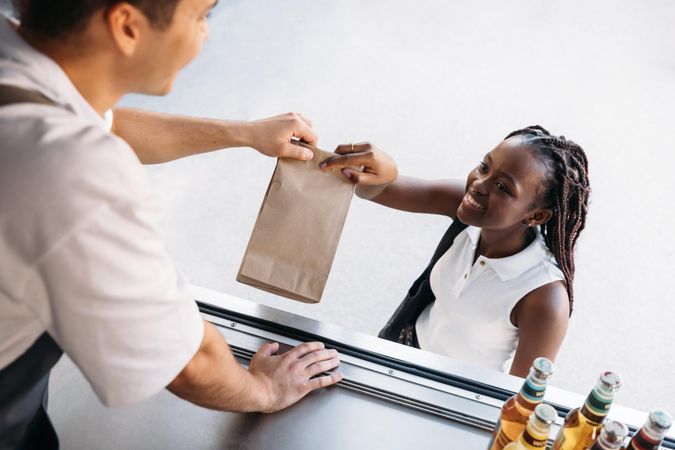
[[378, 167]]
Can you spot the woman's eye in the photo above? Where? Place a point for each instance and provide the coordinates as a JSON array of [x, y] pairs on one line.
[[502, 187], [483, 167]]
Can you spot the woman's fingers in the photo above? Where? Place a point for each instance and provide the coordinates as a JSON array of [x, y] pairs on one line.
[[347, 160], [362, 178], [362, 163], [360, 147]]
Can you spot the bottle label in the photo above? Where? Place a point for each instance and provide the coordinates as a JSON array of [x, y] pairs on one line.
[[534, 442], [533, 392], [642, 442], [597, 404]]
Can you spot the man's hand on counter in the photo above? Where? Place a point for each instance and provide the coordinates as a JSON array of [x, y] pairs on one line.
[[214, 379], [289, 377]]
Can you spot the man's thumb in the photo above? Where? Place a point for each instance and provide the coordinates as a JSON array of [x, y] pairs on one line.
[[268, 348]]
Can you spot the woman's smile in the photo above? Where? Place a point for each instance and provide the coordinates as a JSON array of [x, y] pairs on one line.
[[470, 201]]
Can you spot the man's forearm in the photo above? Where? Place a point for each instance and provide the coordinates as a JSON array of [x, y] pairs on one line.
[[158, 138], [214, 379]]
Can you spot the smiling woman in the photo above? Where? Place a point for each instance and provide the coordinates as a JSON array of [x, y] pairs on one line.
[[504, 287]]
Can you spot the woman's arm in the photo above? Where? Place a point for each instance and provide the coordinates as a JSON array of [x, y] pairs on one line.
[[420, 196], [379, 182], [541, 317]]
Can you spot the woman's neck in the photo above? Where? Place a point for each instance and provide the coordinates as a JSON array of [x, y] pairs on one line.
[[503, 243]]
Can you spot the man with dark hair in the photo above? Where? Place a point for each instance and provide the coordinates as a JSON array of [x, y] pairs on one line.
[[84, 269]]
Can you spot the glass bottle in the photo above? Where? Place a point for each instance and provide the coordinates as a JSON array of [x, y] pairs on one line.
[[518, 408], [535, 435], [650, 436], [582, 425], [611, 437]]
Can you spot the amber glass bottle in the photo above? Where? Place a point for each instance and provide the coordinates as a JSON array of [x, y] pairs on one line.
[[535, 435], [517, 409], [582, 425]]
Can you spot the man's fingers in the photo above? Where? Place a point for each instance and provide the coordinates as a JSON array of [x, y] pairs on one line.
[[319, 355], [323, 366], [306, 120], [268, 348], [304, 348], [305, 133], [296, 151], [324, 381]]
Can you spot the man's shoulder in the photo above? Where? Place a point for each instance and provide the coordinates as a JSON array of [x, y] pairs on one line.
[[47, 127], [58, 171], [64, 151]]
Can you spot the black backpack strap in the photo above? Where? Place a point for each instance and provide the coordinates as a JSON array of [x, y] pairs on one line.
[[420, 294], [10, 95], [446, 242]]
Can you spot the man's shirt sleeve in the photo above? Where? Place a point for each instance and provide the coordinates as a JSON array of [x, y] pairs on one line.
[[117, 304]]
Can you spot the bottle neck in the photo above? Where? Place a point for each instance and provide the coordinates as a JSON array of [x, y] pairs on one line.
[[643, 439], [535, 434], [601, 444], [532, 392], [653, 432], [597, 405]]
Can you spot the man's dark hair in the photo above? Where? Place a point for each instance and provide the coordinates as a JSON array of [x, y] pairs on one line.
[[59, 18]]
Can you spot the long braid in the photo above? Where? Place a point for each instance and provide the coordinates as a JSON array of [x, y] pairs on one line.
[[566, 192]]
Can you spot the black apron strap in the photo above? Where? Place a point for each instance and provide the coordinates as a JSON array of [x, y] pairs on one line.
[[10, 95], [24, 423], [23, 398]]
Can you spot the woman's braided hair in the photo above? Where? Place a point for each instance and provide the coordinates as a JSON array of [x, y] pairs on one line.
[[566, 190]]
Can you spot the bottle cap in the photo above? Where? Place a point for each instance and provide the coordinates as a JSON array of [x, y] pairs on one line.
[[611, 380], [545, 413], [543, 368], [660, 420], [614, 432]]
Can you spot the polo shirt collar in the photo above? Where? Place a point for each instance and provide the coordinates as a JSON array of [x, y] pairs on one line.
[[23, 66], [515, 265]]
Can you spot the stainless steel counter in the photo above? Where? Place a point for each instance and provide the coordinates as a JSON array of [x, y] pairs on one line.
[[392, 397]]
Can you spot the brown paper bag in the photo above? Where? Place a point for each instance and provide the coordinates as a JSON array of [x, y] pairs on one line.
[[295, 237]]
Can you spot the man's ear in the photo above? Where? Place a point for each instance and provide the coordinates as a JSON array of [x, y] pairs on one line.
[[125, 24], [539, 217]]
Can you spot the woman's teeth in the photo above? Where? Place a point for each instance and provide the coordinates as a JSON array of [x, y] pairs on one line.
[[470, 200]]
